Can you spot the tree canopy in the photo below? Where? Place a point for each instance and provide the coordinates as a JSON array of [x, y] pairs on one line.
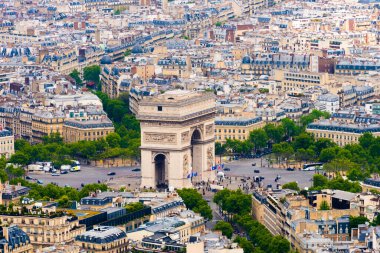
[[194, 201], [225, 227]]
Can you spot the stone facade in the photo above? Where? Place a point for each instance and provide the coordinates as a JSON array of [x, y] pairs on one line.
[[177, 144]]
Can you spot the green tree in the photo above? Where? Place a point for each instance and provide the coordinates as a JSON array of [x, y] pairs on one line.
[[303, 140], [225, 227], [233, 202], [291, 186], [128, 52], [376, 220], [194, 201], [357, 174], [92, 74], [339, 165], [113, 140], [14, 172], [134, 207], [290, 128], [218, 23], [274, 133], [20, 158], [52, 138], [305, 154], [246, 245], [355, 221], [64, 202], [76, 76], [319, 181], [366, 140], [322, 144], [21, 144], [328, 154], [315, 114], [324, 205], [220, 150], [284, 150], [259, 138]]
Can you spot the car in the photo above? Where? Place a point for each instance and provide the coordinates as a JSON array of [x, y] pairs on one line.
[[28, 178], [253, 164], [269, 186], [227, 169], [64, 172], [256, 171], [137, 169], [66, 185], [40, 182], [55, 174], [111, 174], [290, 169], [262, 178]]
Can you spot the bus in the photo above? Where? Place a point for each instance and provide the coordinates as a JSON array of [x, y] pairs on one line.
[[75, 166], [312, 166]]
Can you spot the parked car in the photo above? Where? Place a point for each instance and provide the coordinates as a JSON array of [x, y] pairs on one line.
[[227, 169], [253, 164], [55, 174], [28, 178], [256, 171], [137, 169], [40, 182], [290, 169], [111, 174], [64, 172]]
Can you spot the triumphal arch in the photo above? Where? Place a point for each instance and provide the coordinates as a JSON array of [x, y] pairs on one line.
[[177, 138]]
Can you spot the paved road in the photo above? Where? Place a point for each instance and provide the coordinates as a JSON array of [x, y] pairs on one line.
[[244, 167], [125, 176], [87, 175]]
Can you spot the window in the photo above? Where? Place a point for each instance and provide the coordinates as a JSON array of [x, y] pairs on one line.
[[159, 108]]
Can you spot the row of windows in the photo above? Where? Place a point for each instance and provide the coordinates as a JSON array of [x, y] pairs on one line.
[[230, 131], [337, 136], [301, 80], [6, 142], [302, 76], [240, 137], [95, 133]]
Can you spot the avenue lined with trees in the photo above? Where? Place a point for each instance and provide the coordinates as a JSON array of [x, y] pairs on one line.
[[236, 206]]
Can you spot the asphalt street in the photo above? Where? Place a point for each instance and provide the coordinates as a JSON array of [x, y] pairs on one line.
[[87, 175], [244, 168]]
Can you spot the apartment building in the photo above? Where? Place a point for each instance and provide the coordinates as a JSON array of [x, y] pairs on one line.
[[45, 123], [285, 213], [300, 80], [14, 240], [46, 230], [103, 239], [265, 64], [236, 128], [12, 193], [89, 130], [356, 67], [176, 66], [7, 145], [345, 127]]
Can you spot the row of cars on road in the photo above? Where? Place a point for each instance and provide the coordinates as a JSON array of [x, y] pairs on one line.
[[49, 167], [112, 173]]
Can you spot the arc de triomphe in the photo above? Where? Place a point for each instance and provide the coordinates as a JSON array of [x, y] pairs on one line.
[[177, 138]]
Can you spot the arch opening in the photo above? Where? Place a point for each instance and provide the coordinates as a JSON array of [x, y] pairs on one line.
[[161, 165]]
